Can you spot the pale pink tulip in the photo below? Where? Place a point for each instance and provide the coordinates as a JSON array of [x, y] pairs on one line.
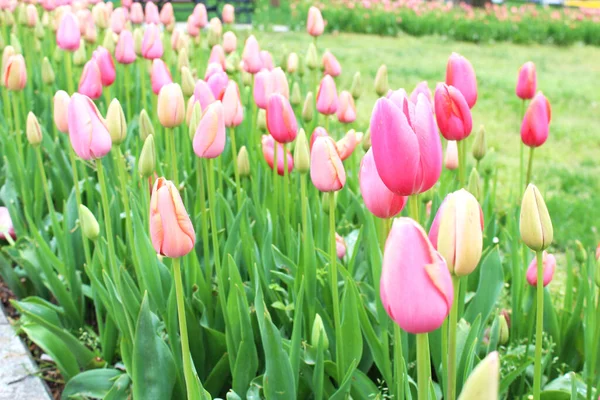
[[152, 46], [251, 56], [233, 110], [228, 14], [159, 75], [90, 83], [327, 98], [106, 66], [331, 65], [88, 132], [209, 139], [314, 23], [326, 169], [229, 42], [451, 159], [68, 34], [346, 111], [125, 50]]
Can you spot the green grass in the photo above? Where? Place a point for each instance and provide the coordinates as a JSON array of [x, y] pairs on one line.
[[566, 167]]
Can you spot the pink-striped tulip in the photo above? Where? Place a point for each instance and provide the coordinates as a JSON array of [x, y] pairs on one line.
[[457, 232], [314, 23], [151, 13], [106, 66], [380, 201], [218, 83], [268, 148], [281, 121], [452, 113], [136, 13], [549, 266], [6, 224], [318, 132], [171, 230], [68, 34], [61, 111], [159, 75], [152, 46], [327, 98], [200, 15], [118, 18], [411, 147], [125, 50], [217, 56], [340, 246], [251, 56], [209, 140], [461, 75], [263, 88], [415, 288], [203, 94], [90, 83], [229, 42], [346, 111], [451, 159], [15, 73], [233, 110], [346, 145], [331, 65], [536, 123], [527, 81], [326, 169], [267, 60], [170, 105], [167, 16], [422, 87], [228, 14], [88, 131]]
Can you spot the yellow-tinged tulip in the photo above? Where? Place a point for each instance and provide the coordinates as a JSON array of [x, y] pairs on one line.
[[195, 113], [147, 162], [318, 332], [503, 331], [479, 147], [115, 120], [15, 73], [535, 225], [484, 380], [188, 83], [243, 162], [171, 106], [308, 111], [89, 223], [34, 132], [182, 59], [312, 59], [302, 153], [381, 81], [296, 96], [47, 72]]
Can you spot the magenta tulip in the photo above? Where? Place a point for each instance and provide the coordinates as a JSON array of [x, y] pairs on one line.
[[536, 123], [527, 81], [461, 75], [452, 113], [268, 149], [281, 121], [88, 131]]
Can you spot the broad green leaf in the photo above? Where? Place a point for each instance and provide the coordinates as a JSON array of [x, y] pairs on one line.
[[94, 383]]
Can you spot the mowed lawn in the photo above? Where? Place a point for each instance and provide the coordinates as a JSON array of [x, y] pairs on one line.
[[566, 168]]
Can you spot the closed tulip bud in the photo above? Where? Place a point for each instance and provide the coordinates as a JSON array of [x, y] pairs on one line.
[[233, 110], [68, 34], [138, 38], [171, 105], [243, 162], [125, 49], [117, 20], [146, 127], [366, 140], [503, 334], [263, 88], [215, 31], [209, 140], [527, 81], [327, 98], [109, 42], [312, 58], [580, 253], [88, 222], [203, 94], [451, 159], [314, 22], [15, 73], [40, 32], [280, 83], [267, 60], [229, 42], [247, 78], [251, 56], [151, 13], [261, 119], [268, 148], [160, 75], [461, 75], [535, 223], [457, 232], [452, 113], [217, 56], [479, 147], [346, 112], [483, 383], [147, 161], [7, 53], [87, 129], [106, 65], [115, 120], [47, 72], [381, 81], [152, 47], [34, 132], [536, 122], [183, 59], [193, 113], [356, 88], [281, 121], [90, 83], [296, 96], [80, 56], [331, 65], [302, 153], [474, 186], [188, 83], [171, 230], [61, 107], [167, 16], [292, 63], [379, 200], [415, 287], [307, 109], [318, 333], [326, 169], [548, 265]]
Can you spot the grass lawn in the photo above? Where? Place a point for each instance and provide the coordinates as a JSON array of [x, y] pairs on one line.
[[566, 167]]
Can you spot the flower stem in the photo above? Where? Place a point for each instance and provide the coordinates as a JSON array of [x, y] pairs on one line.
[[236, 173], [286, 204], [333, 279], [398, 363], [86, 245], [171, 138], [275, 189], [107, 220], [17, 119], [539, 326], [452, 323], [522, 150], [462, 163], [69, 72], [529, 166], [203, 219], [423, 366], [413, 207]]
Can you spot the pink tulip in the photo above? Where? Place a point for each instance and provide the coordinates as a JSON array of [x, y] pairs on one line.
[[218, 83], [340, 246], [268, 146], [200, 15], [280, 83], [536, 123], [6, 224], [331, 66], [452, 113], [212, 68], [125, 50], [87, 129], [209, 139], [171, 230], [263, 88], [228, 14], [422, 87], [117, 20], [527, 81], [233, 110], [267, 60], [127, 3], [229, 42], [548, 264], [48, 5], [192, 26], [15, 73], [151, 12], [314, 22], [152, 46], [346, 145], [326, 169], [203, 94], [106, 65], [451, 159], [217, 56], [281, 121], [136, 13], [380, 201], [90, 83], [61, 111], [411, 147], [167, 16], [251, 56], [32, 16], [327, 98], [317, 133], [346, 111], [401, 100], [415, 288], [68, 35], [461, 75], [159, 75]]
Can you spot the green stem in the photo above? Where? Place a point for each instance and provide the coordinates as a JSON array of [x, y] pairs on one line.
[[275, 189], [127, 88], [286, 204], [462, 161], [529, 166], [107, 219], [413, 207], [539, 326], [398, 363], [173, 149], [236, 173], [188, 371], [106, 92], [423, 366], [522, 150], [17, 119], [86, 245], [310, 274], [205, 241], [452, 324], [69, 72], [333, 279]]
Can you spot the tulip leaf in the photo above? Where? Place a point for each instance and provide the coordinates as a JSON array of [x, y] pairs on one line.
[[93, 383], [119, 389], [491, 282], [350, 333]]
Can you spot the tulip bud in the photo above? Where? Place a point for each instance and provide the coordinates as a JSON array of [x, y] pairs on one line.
[[146, 127], [57, 55], [326, 169], [34, 132], [243, 162], [296, 97], [188, 83], [302, 153], [366, 141], [318, 333], [61, 106], [580, 253], [79, 56], [171, 107], [503, 333], [452, 113], [356, 88], [16, 44], [147, 161], [182, 59], [88, 222], [479, 147], [261, 119], [381, 81], [474, 186], [247, 78], [312, 59], [484, 380], [292, 63], [138, 38], [47, 72], [308, 111], [109, 42], [548, 268], [115, 120], [535, 223], [39, 32], [14, 73], [461, 75]]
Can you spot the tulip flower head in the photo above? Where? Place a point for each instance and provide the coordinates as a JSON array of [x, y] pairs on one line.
[[415, 288], [217, 55], [61, 110], [422, 87], [327, 98], [535, 223], [171, 230], [15, 73], [136, 13], [317, 133], [263, 88], [346, 145], [115, 121], [106, 66], [536, 123], [314, 23], [233, 110], [268, 149], [170, 106], [483, 383], [167, 16], [527, 81], [229, 42], [6, 225], [90, 83], [203, 94], [326, 169], [549, 266], [302, 153], [68, 33], [452, 113], [228, 14], [217, 82], [88, 131], [346, 111], [152, 46], [118, 18], [451, 159], [159, 75], [209, 140], [200, 15], [281, 121], [381, 81], [251, 56], [331, 65], [461, 75], [151, 13], [340, 246], [125, 50]]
